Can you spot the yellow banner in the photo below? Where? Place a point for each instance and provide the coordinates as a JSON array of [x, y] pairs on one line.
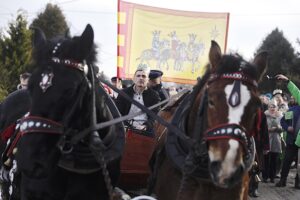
[[176, 42]]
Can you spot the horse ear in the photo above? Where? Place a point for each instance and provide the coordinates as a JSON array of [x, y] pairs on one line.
[[67, 33], [39, 38], [215, 54], [261, 62], [87, 39]]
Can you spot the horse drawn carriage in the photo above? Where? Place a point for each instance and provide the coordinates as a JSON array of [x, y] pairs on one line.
[[68, 151]]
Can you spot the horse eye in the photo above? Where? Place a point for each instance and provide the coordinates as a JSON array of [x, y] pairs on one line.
[[211, 103]]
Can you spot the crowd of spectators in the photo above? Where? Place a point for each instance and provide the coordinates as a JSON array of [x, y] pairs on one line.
[[283, 121]]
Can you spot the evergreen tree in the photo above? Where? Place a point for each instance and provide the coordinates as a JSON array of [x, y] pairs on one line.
[[51, 21], [281, 57], [295, 69], [3, 91], [15, 53]]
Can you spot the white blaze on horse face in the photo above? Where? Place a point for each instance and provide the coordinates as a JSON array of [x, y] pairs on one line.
[[228, 165], [235, 113], [234, 117]]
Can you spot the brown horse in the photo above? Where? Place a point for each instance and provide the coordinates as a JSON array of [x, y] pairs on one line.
[[212, 158]]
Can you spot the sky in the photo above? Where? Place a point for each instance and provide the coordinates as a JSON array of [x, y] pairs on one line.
[[250, 21]]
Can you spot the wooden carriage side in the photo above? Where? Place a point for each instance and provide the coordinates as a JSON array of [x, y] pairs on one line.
[[135, 162]]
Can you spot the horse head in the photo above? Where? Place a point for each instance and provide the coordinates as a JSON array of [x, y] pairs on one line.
[[61, 90], [230, 100]]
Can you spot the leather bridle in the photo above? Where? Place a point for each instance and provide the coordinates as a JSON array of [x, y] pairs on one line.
[[234, 131], [37, 124]]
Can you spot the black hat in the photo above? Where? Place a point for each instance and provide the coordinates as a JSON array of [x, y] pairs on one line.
[[155, 74], [113, 79]]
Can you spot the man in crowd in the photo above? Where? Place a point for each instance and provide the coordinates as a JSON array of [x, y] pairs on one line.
[[117, 82], [24, 81], [290, 123], [144, 95], [155, 84], [279, 97]]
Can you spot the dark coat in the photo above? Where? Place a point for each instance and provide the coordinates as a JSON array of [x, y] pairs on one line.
[[262, 139], [150, 98], [163, 94]]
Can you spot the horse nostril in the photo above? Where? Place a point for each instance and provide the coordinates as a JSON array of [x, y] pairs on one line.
[[241, 169], [215, 166]]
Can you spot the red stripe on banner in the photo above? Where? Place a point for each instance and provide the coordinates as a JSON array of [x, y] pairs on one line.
[[118, 31], [123, 30]]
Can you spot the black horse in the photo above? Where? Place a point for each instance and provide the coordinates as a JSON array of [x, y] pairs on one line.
[[55, 156], [15, 105]]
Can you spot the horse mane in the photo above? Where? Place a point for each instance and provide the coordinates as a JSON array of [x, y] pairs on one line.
[[235, 63], [229, 63], [201, 82]]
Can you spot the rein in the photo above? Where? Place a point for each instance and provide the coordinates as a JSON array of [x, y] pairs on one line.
[[31, 124], [95, 143], [146, 110], [102, 125]]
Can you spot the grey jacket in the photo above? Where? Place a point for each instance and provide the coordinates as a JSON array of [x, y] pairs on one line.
[[274, 136]]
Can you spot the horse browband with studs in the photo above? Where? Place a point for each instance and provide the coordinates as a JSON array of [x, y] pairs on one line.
[[233, 76], [70, 63]]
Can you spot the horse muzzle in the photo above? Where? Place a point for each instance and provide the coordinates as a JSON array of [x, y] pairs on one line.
[[224, 179]]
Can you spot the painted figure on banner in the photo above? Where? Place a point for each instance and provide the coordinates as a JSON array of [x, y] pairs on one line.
[[194, 50], [173, 51], [154, 51]]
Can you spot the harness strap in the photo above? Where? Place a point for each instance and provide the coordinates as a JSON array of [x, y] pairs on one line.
[[160, 120], [35, 124], [240, 76], [71, 63], [7, 133], [32, 124], [223, 131], [13, 145]]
